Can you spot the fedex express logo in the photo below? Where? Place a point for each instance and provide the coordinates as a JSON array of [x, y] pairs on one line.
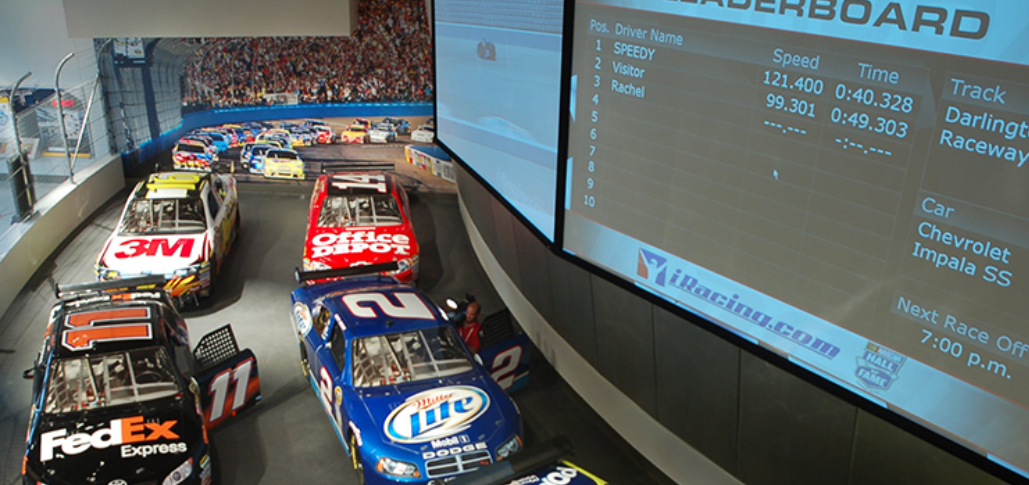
[[358, 242], [132, 248], [435, 414], [125, 432], [655, 269]]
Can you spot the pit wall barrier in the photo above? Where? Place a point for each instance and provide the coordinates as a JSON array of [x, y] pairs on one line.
[[28, 244], [199, 119], [431, 159]]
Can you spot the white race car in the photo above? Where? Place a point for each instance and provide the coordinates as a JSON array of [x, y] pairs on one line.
[[176, 224], [382, 133], [424, 134]]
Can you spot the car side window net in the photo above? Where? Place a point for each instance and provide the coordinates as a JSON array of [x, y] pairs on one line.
[[112, 379], [212, 205]]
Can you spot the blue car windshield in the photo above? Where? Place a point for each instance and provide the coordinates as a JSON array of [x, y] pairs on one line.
[[418, 355]]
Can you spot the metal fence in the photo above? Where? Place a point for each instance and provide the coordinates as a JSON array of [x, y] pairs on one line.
[[49, 158]]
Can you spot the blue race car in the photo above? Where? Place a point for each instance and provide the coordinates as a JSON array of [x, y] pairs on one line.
[[402, 126], [221, 142], [541, 465], [404, 395]]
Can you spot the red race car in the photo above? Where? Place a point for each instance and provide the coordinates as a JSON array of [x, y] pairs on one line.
[[359, 219]]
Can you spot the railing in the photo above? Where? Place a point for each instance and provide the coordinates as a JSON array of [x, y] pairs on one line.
[[46, 163]]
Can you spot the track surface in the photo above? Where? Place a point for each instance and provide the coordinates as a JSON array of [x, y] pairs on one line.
[[287, 436]]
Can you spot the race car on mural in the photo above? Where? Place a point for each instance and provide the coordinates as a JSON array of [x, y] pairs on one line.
[[355, 133], [254, 161], [486, 50], [403, 126], [405, 397], [424, 134], [118, 397], [358, 219], [191, 155], [382, 133], [323, 134], [283, 164], [176, 224]]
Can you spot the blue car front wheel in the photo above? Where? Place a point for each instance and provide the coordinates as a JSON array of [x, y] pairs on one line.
[[355, 455]]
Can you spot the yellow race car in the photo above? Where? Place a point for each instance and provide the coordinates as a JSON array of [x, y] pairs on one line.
[[355, 133], [283, 164]]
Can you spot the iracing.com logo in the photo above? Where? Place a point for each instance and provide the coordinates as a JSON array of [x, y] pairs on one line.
[[652, 267]]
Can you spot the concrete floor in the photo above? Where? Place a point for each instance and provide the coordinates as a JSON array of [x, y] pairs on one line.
[[287, 436]]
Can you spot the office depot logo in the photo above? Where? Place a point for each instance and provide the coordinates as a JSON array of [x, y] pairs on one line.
[[358, 242], [122, 431]]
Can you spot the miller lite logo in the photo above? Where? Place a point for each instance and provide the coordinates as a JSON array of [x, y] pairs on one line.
[[437, 413]]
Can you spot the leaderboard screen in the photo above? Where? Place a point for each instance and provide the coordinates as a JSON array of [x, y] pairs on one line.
[[498, 80], [845, 182]]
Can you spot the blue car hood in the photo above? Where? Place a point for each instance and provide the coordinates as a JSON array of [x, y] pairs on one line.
[[417, 416]]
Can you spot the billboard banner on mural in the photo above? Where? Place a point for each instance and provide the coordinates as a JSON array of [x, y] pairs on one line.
[[282, 98], [129, 51]]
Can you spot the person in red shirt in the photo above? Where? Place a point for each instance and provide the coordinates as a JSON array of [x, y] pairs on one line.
[[470, 327]]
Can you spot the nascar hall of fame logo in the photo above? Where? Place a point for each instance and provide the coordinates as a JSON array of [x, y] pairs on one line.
[[878, 367], [652, 267], [435, 414]]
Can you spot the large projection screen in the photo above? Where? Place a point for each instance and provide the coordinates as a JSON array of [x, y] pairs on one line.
[[498, 80], [844, 182]]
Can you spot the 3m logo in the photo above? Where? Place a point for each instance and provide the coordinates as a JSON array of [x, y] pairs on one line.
[[121, 431], [652, 267], [84, 329], [133, 248]]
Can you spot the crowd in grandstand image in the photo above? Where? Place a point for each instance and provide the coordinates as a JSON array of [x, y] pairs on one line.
[[386, 59]]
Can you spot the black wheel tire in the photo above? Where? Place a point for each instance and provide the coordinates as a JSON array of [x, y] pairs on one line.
[[216, 469], [215, 269], [305, 365], [236, 228], [355, 459]]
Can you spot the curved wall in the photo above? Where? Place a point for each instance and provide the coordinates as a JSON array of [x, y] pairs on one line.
[[28, 244], [701, 408]]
